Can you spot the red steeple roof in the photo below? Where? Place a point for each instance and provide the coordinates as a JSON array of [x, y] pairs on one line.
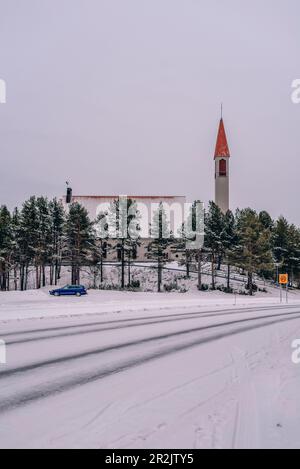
[[222, 149]]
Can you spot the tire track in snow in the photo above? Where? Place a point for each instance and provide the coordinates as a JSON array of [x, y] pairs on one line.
[[115, 347], [51, 389], [127, 323]]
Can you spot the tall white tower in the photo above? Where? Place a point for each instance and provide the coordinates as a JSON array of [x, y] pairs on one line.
[[222, 156]]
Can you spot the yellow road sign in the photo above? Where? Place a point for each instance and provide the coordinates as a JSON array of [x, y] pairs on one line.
[[283, 279]]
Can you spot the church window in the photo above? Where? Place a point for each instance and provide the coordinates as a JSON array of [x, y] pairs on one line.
[[223, 168]]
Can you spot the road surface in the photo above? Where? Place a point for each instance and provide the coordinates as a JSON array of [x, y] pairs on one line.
[[209, 379]]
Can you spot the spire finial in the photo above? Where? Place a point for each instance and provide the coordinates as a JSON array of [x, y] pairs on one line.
[[221, 110]]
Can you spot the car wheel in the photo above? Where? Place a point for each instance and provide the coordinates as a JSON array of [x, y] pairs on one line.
[[56, 294], [78, 294]]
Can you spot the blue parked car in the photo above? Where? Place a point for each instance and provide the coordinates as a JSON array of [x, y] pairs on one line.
[[71, 290]]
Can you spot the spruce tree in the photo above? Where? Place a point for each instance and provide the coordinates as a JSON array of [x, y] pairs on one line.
[[253, 251], [286, 247], [266, 220], [293, 254]]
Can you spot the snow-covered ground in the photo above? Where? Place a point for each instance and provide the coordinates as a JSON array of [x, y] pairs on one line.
[[174, 277], [142, 370], [38, 304]]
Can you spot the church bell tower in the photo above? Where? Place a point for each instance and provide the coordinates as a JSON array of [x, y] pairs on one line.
[[222, 157]]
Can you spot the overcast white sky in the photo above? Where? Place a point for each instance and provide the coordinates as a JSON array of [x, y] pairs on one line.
[[123, 96]]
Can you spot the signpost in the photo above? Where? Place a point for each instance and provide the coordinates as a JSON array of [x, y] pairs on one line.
[[284, 280]]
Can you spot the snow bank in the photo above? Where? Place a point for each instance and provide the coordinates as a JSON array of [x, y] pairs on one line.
[[39, 304]]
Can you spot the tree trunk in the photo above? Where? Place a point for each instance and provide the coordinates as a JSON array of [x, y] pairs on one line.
[[44, 275], [129, 270], [95, 278], [199, 270], [15, 278], [56, 272], [22, 274], [1, 279], [159, 275], [73, 280], [250, 283], [213, 282], [51, 274], [122, 266], [187, 261], [228, 277], [37, 277], [26, 277], [101, 270]]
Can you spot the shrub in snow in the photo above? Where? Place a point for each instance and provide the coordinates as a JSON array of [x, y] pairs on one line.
[[136, 284], [171, 287], [224, 289]]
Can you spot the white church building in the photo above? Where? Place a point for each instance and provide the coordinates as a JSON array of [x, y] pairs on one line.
[[175, 205]]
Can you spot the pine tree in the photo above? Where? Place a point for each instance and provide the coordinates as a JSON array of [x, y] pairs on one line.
[[16, 254], [191, 231], [124, 221], [6, 245], [214, 224], [102, 245], [42, 253], [162, 239], [268, 223], [56, 244], [79, 239], [280, 242], [28, 241], [229, 242], [180, 245]]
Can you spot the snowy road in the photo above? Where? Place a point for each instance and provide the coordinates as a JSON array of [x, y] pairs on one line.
[[208, 379]]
